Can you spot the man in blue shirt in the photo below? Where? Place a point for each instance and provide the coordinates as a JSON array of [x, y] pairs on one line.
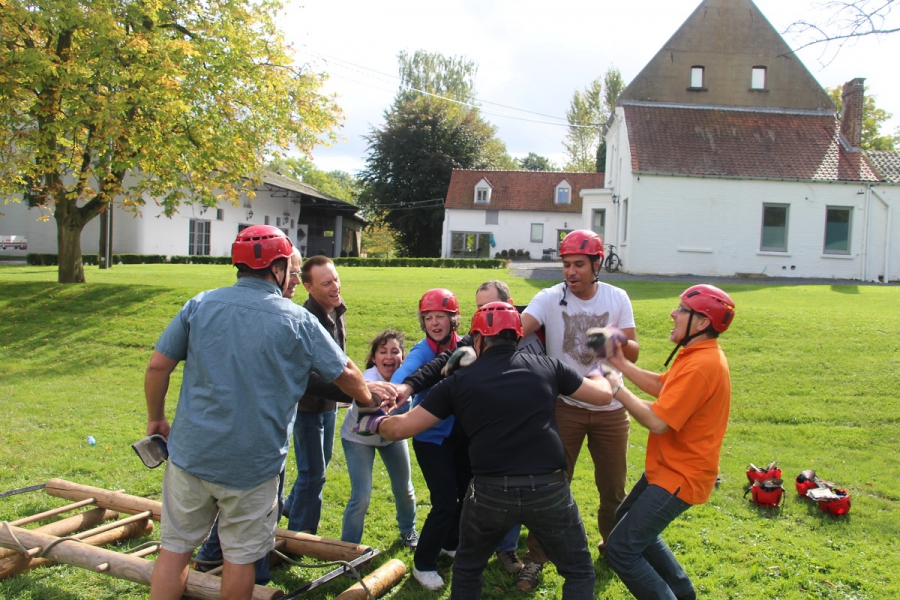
[[248, 352]]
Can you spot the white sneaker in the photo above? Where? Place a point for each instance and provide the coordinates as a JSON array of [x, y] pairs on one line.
[[450, 553], [430, 580]]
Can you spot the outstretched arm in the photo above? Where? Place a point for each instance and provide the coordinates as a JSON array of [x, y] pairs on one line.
[[407, 425]]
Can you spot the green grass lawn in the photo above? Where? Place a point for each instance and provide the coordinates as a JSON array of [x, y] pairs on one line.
[[815, 371]]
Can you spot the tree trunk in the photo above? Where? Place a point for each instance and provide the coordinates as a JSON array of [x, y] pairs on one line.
[[69, 225]]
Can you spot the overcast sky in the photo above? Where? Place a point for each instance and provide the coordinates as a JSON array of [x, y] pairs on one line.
[[531, 56]]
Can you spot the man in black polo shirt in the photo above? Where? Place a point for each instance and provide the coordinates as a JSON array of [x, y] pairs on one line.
[[506, 402]]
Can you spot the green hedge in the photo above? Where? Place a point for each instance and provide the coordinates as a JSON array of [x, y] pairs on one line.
[[137, 259], [453, 263], [47, 260], [200, 260]]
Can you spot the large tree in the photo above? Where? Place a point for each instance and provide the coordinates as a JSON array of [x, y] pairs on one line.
[[536, 162], [105, 101], [588, 111], [427, 133], [873, 119]]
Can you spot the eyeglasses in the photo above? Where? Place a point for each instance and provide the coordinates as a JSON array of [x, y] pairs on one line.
[[293, 273], [684, 310]]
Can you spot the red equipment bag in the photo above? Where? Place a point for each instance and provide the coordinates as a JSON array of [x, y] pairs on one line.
[[806, 481], [754, 473], [768, 493], [834, 501]]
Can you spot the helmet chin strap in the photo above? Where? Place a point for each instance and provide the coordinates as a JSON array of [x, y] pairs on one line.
[[596, 274], [443, 341], [279, 283], [685, 340]]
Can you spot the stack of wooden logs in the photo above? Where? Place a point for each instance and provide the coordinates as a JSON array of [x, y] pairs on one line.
[[31, 548]]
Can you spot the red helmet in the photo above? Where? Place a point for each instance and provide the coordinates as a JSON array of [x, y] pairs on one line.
[[494, 317], [711, 302], [439, 299], [582, 241], [259, 245]]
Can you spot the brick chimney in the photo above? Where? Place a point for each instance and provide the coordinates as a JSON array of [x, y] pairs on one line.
[[852, 98]]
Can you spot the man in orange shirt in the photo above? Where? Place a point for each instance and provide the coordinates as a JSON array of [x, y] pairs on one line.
[[687, 424]]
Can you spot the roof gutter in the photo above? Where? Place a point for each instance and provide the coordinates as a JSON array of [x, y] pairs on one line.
[[746, 177]]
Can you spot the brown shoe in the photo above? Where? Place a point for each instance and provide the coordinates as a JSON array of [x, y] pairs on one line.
[[510, 561], [528, 576]]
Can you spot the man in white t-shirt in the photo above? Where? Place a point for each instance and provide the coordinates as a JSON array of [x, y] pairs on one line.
[[566, 311]]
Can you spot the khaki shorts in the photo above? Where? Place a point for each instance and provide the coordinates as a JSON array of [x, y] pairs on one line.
[[247, 518]]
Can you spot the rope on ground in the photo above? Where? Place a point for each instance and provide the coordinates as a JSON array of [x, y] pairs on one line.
[[44, 551]]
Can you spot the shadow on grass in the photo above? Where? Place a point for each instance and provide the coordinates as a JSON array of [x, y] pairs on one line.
[[845, 289], [46, 322]]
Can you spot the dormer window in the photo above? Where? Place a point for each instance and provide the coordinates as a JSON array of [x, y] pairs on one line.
[[563, 193], [758, 78], [698, 77], [483, 192]]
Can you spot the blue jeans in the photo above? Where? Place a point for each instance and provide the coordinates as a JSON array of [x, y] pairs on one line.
[[637, 553], [360, 460], [511, 542], [313, 445], [211, 550], [550, 513]]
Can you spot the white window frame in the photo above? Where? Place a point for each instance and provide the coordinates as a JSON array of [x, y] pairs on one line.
[[479, 251], [762, 229], [839, 252], [198, 237], [758, 78], [562, 185], [698, 77], [537, 233], [594, 213]]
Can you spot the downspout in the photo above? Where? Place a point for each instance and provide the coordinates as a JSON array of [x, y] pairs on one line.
[[865, 244], [887, 237]]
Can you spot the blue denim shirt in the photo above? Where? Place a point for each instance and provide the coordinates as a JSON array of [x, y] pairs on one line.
[[247, 355]]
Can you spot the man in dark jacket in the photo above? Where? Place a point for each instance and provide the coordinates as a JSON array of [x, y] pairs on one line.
[[314, 427]]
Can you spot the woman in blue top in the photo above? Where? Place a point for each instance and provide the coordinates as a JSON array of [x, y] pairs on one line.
[[443, 450]]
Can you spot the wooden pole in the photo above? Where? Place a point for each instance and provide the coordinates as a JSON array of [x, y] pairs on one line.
[[319, 547], [63, 527], [295, 542], [378, 581], [51, 513], [122, 566], [119, 501], [23, 562]]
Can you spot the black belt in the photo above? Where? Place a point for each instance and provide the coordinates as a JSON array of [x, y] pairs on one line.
[[521, 480]]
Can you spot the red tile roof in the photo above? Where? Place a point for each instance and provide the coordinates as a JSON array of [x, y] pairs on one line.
[[887, 164], [741, 143], [518, 190]]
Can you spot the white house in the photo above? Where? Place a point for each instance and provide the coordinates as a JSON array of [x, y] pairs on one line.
[[725, 156], [486, 212], [315, 222]]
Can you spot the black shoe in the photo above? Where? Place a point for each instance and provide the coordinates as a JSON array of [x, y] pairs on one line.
[[528, 576]]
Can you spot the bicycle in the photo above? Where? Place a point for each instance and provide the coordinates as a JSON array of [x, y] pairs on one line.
[[612, 261]]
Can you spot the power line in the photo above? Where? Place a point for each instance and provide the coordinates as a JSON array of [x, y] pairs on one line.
[[459, 102]]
